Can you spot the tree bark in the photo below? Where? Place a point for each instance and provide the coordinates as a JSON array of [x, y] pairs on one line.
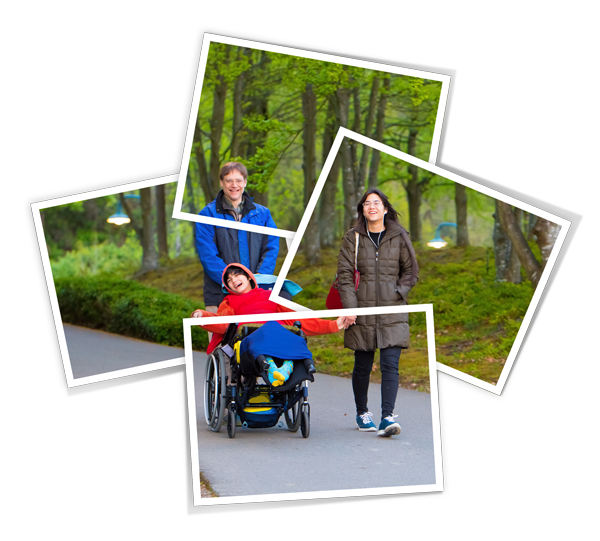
[[216, 132], [462, 230], [149, 256], [546, 233], [509, 223], [328, 195], [378, 134], [348, 182], [128, 210], [161, 222], [508, 266], [414, 192], [364, 158], [191, 194], [258, 107], [312, 241], [236, 135], [205, 184]]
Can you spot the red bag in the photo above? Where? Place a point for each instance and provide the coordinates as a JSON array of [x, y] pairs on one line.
[[333, 301]]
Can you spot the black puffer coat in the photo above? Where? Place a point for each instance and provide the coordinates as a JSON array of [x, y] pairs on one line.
[[387, 275]]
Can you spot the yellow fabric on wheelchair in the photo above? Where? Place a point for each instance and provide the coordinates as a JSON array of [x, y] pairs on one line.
[[261, 398]]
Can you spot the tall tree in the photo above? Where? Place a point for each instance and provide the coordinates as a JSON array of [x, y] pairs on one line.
[[161, 222], [507, 262], [348, 179], [378, 133], [462, 229], [510, 224], [312, 242], [546, 233], [328, 195]]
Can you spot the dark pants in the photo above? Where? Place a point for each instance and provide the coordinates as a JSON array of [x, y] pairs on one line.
[[389, 358]]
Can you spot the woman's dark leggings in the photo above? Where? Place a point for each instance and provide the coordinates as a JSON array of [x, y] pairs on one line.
[[389, 358]]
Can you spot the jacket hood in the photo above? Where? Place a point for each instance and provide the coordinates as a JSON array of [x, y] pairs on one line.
[[245, 269]]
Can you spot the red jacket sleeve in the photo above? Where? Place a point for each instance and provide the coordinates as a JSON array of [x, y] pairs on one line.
[[224, 310], [312, 327]]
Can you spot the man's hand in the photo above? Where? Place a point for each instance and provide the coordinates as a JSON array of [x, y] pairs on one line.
[[197, 313]]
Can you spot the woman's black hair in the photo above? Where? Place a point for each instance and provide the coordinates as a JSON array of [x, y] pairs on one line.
[[391, 216], [234, 270]]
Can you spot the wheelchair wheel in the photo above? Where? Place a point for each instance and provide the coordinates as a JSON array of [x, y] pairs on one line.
[[292, 417], [215, 389], [231, 424], [305, 424]]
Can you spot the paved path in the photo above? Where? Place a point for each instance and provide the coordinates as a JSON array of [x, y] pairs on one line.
[[335, 455], [96, 352]]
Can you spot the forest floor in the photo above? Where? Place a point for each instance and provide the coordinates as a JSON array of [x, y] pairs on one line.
[[476, 318]]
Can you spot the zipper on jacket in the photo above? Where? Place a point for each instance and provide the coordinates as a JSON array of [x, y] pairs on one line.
[[377, 330]]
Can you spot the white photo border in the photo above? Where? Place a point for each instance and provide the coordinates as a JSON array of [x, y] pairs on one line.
[[188, 323], [213, 38], [36, 209], [565, 224]]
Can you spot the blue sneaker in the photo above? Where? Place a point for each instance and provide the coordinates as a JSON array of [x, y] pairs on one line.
[[389, 427], [365, 422]]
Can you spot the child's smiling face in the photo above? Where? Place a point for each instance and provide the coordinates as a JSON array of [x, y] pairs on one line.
[[239, 284]]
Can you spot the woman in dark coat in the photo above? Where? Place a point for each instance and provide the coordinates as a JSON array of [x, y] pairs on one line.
[[388, 270]]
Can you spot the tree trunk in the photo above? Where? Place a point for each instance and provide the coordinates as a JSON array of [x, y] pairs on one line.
[[413, 190], [149, 256], [312, 242], [327, 199], [462, 230], [378, 135], [348, 182], [546, 233], [257, 107], [161, 222], [236, 135], [364, 158], [509, 223], [205, 183], [530, 226], [128, 210], [216, 132], [191, 194], [508, 266]]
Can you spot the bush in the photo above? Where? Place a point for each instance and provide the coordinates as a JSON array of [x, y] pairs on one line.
[[103, 258], [127, 308]]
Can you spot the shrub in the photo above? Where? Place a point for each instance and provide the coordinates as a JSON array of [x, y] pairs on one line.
[[127, 308]]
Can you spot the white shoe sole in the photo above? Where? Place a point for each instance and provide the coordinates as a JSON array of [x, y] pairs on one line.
[[390, 430], [370, 429]]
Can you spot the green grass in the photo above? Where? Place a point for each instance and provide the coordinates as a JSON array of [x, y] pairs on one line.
[[476, 318]]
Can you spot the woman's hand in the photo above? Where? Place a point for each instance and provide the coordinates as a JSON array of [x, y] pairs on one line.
[[350, 320], [197, 313], [343, 322]]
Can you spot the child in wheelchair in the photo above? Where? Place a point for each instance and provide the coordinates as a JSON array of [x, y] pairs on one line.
[[246, 297]]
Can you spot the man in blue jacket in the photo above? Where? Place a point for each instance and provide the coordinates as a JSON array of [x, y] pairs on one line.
[[219, 246]]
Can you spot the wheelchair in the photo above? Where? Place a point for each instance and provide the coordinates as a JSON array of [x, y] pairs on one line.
[[231, 390]]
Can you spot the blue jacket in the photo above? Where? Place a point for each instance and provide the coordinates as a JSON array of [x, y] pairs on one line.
[[219, 246]]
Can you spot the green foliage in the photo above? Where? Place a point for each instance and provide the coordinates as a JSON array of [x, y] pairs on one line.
[[104, 258], [127, 308]]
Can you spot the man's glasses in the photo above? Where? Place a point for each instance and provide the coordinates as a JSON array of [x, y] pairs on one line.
[[367, 204], [232, 181]]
